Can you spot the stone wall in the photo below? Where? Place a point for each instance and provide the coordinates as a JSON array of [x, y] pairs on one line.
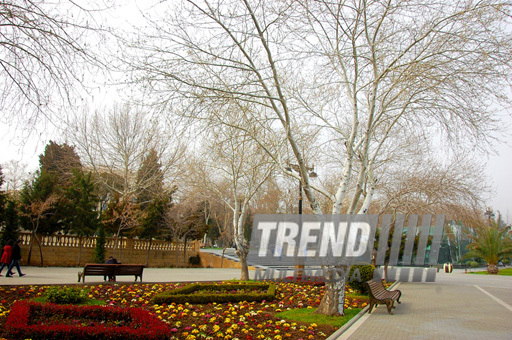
[[74, 251]]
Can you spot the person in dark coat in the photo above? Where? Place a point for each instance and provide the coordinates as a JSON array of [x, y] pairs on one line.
[[15, 260], [111, 260], [6, 256]]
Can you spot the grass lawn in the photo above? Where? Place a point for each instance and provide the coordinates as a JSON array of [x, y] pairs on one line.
[[506, 272], [306, 315], [90, 302]]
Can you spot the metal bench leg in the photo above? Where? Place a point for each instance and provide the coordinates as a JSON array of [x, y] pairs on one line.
[[389, 304], [371, 307]]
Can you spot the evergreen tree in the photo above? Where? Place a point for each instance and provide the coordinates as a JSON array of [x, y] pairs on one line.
[[150, 179], [11, 227], [82, 217], [153, 222], [8, 217], [99, 250], [53, 180], [60, 160]]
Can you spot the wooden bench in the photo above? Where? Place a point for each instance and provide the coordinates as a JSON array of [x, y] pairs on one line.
[[380, 295], [111, 270]]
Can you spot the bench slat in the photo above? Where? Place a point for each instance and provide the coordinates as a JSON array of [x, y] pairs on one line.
[[380, 295]]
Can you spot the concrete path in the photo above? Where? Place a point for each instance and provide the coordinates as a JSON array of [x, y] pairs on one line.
[[456, 306], [69, 275]]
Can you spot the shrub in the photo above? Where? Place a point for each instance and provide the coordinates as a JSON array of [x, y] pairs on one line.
[[194, 260], [209, 293], [468, 263], [356, 281], [140, 324], [475, 264], [67, 295]]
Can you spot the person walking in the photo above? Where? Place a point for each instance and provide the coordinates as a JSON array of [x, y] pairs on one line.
[[15, 260], [6, 256]]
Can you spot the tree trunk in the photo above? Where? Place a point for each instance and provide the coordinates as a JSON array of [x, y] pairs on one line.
[[29, 256], [333, 301], [40, 250], [492, 268], [242, 255]]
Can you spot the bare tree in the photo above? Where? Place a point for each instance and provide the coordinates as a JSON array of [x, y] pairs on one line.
[[36, 211], [432, 187], [122, 215], [363, 72], [43, 55], [116, 144], [15, 175], [232, 168], [185, 221]]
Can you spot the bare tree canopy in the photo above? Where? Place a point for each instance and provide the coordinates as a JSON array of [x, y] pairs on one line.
[[43, 54], [365, 73], [114, 144]]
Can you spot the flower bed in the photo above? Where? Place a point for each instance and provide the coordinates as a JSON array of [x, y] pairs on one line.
[[242, 320], [52, 321]]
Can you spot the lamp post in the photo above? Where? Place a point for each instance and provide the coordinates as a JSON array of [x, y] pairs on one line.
[[489, 214], [299, 267], [311, 174]]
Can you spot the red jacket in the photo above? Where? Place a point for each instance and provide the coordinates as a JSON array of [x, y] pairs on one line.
[[6, 256]]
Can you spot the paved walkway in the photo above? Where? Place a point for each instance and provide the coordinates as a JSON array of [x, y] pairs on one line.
[[456, 306], [69, 275]]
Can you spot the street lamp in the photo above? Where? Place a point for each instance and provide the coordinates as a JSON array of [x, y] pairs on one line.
[[300, 263], [489, 214], [311, 174]]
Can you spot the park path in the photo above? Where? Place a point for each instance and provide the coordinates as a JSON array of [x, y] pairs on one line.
[[456, 306]]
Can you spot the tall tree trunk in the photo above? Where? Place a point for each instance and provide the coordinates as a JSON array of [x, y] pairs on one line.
[[29, 256], [242, 255], [40, 250], [333, 301]]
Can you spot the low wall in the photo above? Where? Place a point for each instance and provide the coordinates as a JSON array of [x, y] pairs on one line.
[[209, 260], [74, 251]]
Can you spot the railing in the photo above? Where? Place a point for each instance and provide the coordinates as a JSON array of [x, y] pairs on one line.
[[71, 241]]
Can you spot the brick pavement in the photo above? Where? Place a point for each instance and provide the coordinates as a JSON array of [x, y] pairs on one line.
[[441, 311]]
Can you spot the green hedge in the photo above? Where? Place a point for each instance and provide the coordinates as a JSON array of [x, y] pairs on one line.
[[66, 295], [191, 293], [365, 274]]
